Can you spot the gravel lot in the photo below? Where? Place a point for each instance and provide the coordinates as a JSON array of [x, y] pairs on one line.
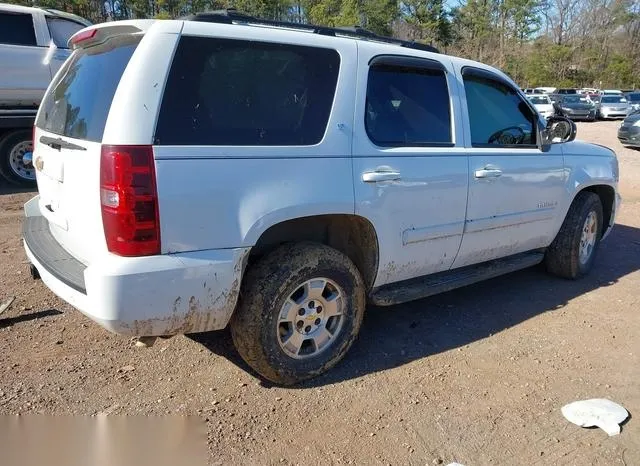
[[476, 376]]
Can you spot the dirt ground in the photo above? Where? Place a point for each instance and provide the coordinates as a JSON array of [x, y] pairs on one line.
[[476, 376]]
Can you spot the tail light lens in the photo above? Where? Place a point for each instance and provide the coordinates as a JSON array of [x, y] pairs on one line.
[[129, 199]]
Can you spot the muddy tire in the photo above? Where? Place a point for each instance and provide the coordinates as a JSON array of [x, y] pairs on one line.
[[573, 251], [13, 146], [300, 310]]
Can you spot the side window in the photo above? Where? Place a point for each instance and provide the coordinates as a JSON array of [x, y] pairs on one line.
[[498, 116], [61, 30], [17, 29], [247, 93], [407, 106]]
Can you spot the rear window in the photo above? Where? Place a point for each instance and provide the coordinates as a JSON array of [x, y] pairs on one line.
[[246, 93], [79, 99]]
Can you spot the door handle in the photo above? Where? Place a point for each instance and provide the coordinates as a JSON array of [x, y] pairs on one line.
[[376, 176], [488, 173]]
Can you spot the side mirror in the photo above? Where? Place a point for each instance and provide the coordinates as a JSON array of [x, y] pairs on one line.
[[559, 129]]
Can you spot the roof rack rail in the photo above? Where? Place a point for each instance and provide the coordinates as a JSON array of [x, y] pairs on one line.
[[232, 16]]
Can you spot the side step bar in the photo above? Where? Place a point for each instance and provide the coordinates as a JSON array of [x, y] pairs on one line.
[[422, 287]]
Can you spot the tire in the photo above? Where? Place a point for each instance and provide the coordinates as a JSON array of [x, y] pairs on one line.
[[264, 339], [12, 148], [563, 257]]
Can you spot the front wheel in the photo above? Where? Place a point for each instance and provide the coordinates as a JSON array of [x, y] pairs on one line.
[[14, 166], [573, 251], [300, 310]]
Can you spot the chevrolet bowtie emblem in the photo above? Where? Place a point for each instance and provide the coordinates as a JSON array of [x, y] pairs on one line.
[[39, 163]]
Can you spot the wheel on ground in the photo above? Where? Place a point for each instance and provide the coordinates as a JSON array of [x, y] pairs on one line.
[[13, 166], [299, 312], [573, 251]]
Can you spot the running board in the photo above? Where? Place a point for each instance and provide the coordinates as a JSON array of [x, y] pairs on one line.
[[429, 285]]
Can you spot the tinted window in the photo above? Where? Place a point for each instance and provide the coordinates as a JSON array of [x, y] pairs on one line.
[[634, 97], [17, 29], [497, 114], [242, 93], [78, 102], [573, 99], [61, 30], [613, 99], [539, 100], [407, 106]]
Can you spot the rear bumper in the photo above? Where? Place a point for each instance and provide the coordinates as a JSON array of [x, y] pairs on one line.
[[141, 296]]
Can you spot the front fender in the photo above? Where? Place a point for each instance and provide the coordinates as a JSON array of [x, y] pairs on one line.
[[588, 166]]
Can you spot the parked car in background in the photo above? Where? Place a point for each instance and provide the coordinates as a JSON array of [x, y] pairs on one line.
[[629, 131], [613, 106], [634, 101], [577, 107], [33, 46], [567, 91], [543, 104], [546, 90]]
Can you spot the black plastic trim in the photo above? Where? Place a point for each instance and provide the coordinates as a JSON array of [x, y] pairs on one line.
[[51, 256], [408, 62]]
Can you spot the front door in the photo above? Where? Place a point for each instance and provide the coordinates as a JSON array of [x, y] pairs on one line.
[[515, 188], [409, 163]]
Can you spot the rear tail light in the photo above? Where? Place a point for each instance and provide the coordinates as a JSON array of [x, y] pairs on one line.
[[129, 200]]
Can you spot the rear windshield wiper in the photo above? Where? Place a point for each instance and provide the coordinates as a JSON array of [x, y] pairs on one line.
[[59, 143]]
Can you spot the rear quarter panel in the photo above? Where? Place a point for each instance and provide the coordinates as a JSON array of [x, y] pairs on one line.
[[213, 197]]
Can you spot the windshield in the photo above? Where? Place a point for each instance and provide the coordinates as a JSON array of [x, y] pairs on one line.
[[635, 97], [613, 99], [537, 100], [573, 99]]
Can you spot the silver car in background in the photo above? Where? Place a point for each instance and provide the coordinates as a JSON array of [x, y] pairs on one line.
[[543, 104], [613, 106]]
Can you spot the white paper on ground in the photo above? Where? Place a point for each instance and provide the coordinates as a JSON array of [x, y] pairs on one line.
[[598, 412]]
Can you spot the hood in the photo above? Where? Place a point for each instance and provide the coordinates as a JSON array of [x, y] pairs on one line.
[[576, 105], [614, 104], [543, 107], [578, 147]]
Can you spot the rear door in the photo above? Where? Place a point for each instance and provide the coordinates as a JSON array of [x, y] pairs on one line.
[[69, 132], [409, 162]]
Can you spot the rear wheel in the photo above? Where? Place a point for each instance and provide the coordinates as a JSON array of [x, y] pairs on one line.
[[573, 251], [300, 310], [16, 166]]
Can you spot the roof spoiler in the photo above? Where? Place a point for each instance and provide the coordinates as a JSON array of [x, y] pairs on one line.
[[98, 33]]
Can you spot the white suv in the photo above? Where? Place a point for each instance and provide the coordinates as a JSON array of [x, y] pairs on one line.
[[222, 170]]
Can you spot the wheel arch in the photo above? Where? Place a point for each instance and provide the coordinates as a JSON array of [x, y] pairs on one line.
[[607, 195], [353, 235]]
